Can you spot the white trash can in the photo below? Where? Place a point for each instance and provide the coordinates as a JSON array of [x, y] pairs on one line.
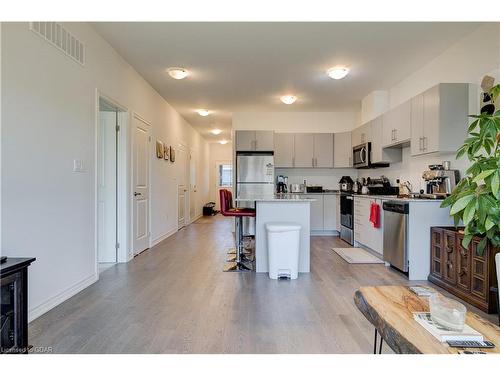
[[283, 242]]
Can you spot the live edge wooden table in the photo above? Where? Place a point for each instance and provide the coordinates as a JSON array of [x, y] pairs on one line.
[[390, 309]]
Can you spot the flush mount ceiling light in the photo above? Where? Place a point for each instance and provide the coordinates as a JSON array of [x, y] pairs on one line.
[[337, 72], [288, 99], [177, 73], [203, 112], [223, 141], [215, 131]]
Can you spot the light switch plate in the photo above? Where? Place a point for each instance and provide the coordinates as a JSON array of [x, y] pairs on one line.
[[78, 166]]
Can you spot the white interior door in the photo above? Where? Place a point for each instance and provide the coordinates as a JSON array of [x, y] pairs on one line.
[[193, 192], [140, 163], [182, 207], [183, 186], [106, 179]]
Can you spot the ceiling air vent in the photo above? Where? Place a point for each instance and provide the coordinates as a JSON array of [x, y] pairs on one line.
[[60, 37]]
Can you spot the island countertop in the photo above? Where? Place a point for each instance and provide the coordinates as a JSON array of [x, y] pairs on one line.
[[276, 198]]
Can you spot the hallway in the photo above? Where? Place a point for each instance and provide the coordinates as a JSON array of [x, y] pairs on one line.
[[174, 298]]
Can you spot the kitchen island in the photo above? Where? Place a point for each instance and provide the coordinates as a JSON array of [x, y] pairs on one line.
[[281, 208]]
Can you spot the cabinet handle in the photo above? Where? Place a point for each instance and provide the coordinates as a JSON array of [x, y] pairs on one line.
[[420, 147], [424, 143], [255, 145], [395, 134], [293, 161]]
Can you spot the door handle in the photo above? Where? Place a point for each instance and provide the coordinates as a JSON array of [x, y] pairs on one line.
[[363, 158], [136, 193]]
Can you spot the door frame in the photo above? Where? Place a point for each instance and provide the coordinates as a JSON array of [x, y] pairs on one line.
[[193, 189], [187, 200], [123, 176], [216, 178], [137, 116]]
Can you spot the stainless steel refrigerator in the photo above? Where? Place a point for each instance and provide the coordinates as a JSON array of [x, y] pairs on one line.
[[254, 177]]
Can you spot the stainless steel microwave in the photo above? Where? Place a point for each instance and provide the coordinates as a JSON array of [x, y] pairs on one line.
[[361, 155]]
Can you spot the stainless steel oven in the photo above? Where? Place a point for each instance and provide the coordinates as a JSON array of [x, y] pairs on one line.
[[361, 155], [347, 218]]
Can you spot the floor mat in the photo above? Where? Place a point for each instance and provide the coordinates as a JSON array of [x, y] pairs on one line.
[[357, 255]]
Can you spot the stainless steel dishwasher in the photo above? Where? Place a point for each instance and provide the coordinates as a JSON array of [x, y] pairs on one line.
[[396, 234]]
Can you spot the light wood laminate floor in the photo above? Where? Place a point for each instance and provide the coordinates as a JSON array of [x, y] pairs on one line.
[[174, 298]]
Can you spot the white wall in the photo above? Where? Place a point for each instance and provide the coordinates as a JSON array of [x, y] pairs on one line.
[[467, 61], [328, 178], [307, 122], [48, 119], [373, 105], [411, 168]]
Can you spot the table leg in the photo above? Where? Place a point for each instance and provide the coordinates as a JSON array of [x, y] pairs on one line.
[[375, 343]]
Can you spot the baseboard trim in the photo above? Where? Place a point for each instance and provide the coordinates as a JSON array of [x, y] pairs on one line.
[[332, 233], [163, 237], [196, 218], [61, 297]]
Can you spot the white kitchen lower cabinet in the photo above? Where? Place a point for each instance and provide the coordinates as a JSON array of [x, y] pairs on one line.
[[330, 212], [316, 212], [325, 214], [364, 232]]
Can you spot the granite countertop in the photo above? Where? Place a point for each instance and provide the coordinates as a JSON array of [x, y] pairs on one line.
[[275, 198], [395, 198], [324, 192]]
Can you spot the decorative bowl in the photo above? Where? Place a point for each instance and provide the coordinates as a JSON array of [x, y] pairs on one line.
[[447, 312]]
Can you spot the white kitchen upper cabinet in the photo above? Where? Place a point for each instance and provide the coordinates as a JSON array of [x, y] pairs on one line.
[[304, 150], [323, 150], [264, 140], [342, 150], [356, 136], [361, 134], [396, 125], [251, 140], [330, 212], [283, 150], [245, 140], [431, 120], [417, 124], [379, 154], [440, 118]]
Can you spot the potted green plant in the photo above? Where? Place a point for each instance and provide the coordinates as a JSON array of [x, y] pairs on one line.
[[475, 201]]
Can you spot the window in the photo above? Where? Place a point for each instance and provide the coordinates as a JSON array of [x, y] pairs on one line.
[[225, 175]]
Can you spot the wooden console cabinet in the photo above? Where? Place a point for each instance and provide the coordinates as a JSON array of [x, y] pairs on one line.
[[461, 271], [14, 305]]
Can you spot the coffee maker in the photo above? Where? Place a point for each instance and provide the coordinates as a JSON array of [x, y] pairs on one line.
[[281, 184], [440, 182]]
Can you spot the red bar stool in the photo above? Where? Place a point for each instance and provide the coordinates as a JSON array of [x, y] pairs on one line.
[[227, 209]]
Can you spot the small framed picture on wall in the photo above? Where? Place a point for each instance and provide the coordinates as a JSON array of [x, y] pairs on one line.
[[166, 153], [159, 150], [172, 154]]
